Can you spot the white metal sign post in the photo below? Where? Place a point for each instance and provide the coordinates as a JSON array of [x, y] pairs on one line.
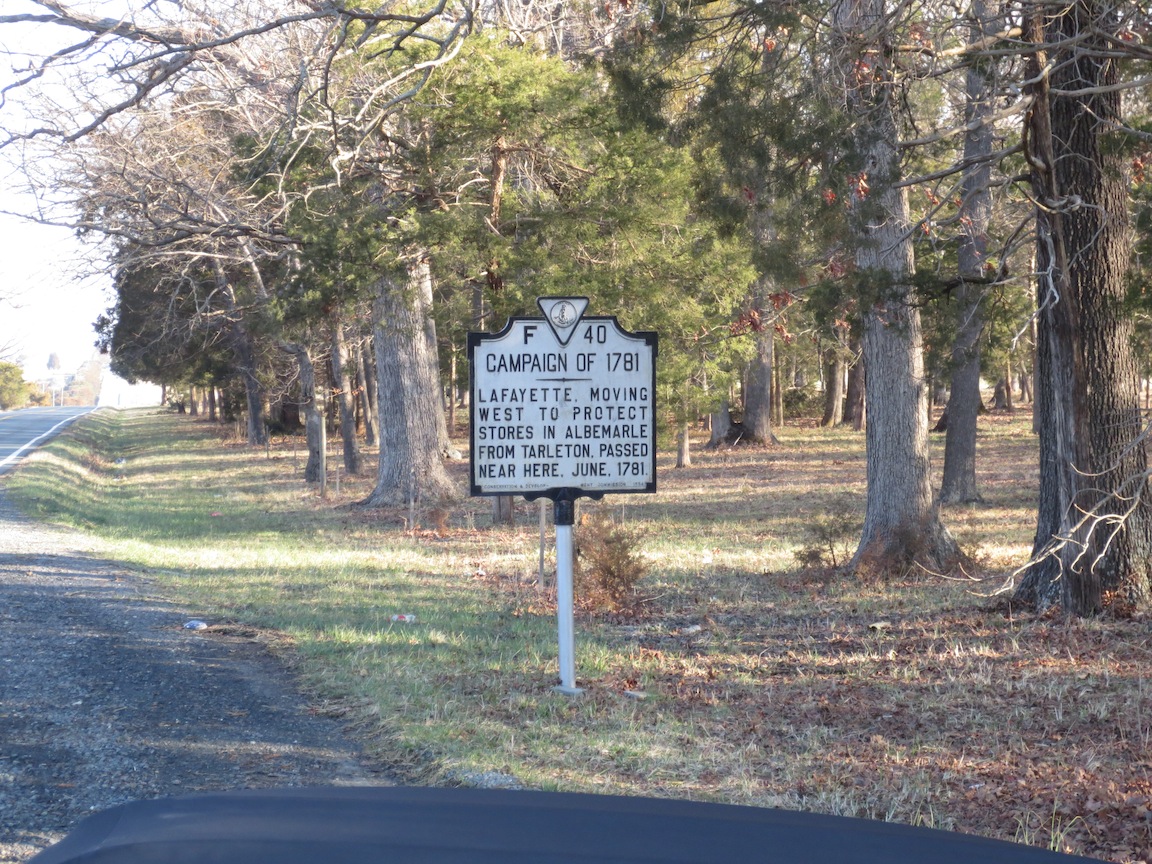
[[563, 407]]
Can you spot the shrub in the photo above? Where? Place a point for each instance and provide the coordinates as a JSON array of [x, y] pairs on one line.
[[803, 402], [608, 565], [829, 538]]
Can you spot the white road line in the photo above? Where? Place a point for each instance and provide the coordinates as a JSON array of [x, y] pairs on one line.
[[14, 456]]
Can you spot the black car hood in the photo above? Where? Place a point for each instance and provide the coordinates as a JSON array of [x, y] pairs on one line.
[[454, 826]]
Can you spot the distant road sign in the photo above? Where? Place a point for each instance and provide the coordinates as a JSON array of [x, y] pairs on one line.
[[563, 402]]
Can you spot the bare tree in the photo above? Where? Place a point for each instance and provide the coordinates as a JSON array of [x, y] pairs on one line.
[[10, 351], [279, 79], [414, 441], [315, 433], [342, 373], [758, 392], [1094, 532], [959, 478], [901, 522], [119, 64]]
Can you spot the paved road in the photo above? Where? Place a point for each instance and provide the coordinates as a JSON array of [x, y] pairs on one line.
[[20, 431]]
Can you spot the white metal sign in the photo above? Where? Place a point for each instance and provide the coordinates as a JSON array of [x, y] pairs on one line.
[[563, 406], [563, 402]]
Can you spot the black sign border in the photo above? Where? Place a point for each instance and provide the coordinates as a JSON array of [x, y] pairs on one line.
[[561, 493]]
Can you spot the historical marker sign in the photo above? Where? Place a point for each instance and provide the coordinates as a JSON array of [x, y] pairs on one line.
[[563, 404]]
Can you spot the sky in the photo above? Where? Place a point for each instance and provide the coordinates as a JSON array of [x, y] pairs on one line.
[[52, 288], [50, 294]]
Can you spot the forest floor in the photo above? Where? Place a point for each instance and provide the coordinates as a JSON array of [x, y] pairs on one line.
[[754, 670]]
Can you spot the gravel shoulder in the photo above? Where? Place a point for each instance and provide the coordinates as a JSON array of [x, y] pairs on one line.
[[106, 698]]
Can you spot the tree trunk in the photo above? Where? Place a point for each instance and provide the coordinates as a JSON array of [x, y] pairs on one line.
[[939, 394], [213, 417], [759, 417], [353, 461], [366, 373], [958, 484], [901, 522], [833, 388], [1034, 327], [758, 392], [503, 512], [777, 394], [721, 425], [315, 434], [854, 406], [245, 356], [1093, 539], [413, 433], [254, 389], [1025, 380], [684, 445], [423, 279], [999, 403], [452, 386]]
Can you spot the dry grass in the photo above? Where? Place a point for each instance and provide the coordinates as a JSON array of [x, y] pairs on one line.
[[745, 678]]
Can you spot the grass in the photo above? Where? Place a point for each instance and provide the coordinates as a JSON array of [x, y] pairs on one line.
[[747, 678]]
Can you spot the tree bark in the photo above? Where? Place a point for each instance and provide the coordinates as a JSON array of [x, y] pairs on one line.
[[901, 521], [758, 392], [721, 425], [244, 354], [1025, 380], [353, 460], [1093, 544], [833, 388], [452, 387], [503, 511], [684, 445], [854, 407], [366, 373], [777, 393], [312, 399], [422, 275], [958, 484], [413, 433]]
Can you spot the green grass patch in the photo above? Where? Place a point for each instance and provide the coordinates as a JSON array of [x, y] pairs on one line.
[[743, 678]]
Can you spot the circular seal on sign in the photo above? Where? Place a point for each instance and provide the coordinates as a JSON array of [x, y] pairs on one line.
[[563, 314]]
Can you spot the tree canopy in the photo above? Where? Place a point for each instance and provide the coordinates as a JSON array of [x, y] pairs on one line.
[[925, 193], [13, 387]]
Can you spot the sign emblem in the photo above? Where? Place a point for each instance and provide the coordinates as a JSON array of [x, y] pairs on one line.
[[563, 314]]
